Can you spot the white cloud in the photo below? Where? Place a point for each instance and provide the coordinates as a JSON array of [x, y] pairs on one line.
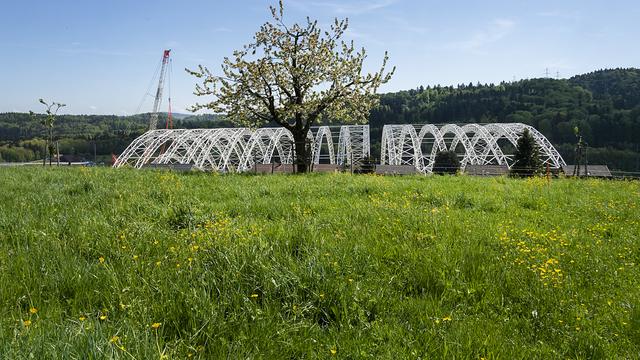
[[402, 25], [341, 8], [359, 36], [93, 107], [479, 39], [91, 51], [221, 29], [574, 15]]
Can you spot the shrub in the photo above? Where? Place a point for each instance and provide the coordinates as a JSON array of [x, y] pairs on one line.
[[446, 162]]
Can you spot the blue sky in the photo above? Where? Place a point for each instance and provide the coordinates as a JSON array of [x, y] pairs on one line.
[[99, 56]]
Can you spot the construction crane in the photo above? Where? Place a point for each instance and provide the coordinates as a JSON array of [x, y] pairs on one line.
[[153, 120]]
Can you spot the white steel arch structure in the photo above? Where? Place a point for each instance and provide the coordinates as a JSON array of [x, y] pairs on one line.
[[238, 149], [403, 144], [353, 144], [324, 132], [268, 145]]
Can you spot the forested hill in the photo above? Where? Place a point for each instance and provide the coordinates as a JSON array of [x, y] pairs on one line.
[[21, 136], [604, 104]]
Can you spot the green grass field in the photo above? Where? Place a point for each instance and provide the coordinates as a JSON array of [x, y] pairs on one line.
[[102, 263]]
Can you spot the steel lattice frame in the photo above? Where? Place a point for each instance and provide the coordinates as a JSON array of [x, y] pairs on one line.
[[238, 149], [403, 144]]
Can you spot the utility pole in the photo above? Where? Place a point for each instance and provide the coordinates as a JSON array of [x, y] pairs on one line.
[[581, 155]]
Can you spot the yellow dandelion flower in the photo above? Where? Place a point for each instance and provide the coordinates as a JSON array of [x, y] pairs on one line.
[[333, 351], [114, 339], [82, 318], [156, 325], [135, 257], [447, 318], [254, 296], [101, 259], [321, 295], [26, 322], [103, 317], [33, 310]]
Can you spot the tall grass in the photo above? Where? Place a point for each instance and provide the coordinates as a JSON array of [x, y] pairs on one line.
[[102, 263]]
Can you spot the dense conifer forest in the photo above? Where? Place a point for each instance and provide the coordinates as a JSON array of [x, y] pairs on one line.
[[604, 105]]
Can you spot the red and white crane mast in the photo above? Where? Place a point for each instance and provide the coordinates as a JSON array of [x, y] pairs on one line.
[[153, 121]]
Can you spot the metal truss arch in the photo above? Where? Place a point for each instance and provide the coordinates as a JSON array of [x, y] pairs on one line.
[[239, 149], [324, 132], [403, 144]]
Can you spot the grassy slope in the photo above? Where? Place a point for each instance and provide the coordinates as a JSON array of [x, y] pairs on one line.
[[309, 266]]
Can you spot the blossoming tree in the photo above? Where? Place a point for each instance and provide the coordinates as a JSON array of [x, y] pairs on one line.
[[293, 76]]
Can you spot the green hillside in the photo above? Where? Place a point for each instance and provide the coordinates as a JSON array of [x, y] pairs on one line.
[[604, 104], [116, 263], [21, 137]]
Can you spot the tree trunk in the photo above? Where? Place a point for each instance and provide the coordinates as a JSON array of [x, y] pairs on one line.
[[302, 151]]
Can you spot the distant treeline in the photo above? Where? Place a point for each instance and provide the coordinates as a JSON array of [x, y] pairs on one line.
[[604, 105], [22, 137]]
